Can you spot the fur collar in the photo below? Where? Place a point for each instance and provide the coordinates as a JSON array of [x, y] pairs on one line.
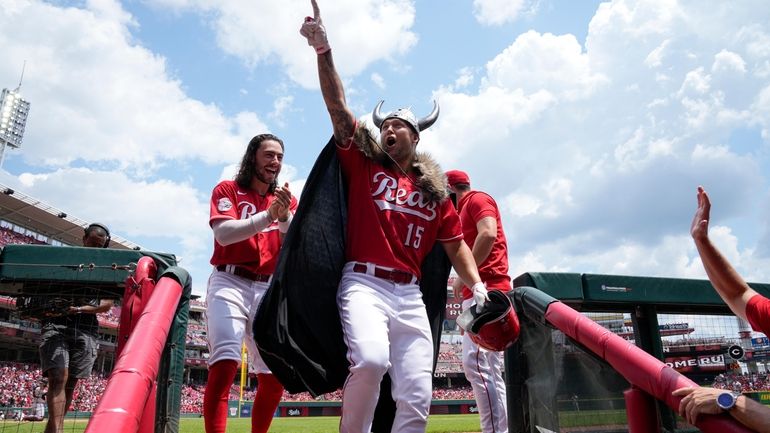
[[430, 177]]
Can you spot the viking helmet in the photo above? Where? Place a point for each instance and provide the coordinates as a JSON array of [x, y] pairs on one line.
[[407, 116]]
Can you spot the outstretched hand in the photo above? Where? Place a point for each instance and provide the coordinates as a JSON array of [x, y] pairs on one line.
[[700, 221], [314, 31]]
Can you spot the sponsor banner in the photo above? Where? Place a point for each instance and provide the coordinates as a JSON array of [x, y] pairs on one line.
[[453, 310], [760, 342], [674, 326], [697, 364]]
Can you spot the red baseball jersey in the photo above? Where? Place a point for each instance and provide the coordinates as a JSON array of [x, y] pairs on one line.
[[758, 313], [493, 271], [390, 221], [258, 253]]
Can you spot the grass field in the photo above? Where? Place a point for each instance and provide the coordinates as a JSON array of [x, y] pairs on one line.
[[317, 424]]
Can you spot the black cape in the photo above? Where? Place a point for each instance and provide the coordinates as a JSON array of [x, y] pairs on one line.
[[297, 326]]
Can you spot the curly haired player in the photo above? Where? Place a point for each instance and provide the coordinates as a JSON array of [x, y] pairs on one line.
[[249, 217]]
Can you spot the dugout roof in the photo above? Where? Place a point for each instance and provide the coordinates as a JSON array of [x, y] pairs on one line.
[[590, 291], [30, 213]]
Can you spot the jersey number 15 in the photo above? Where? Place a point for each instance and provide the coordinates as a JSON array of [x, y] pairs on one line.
[[414, 235]]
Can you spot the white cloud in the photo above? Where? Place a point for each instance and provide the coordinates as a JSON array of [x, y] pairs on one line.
[[378, 80], [105, 97], [728, 61], [360, 32], [159, 215], [655, 58], [281, 107], [695, 82], [497, 12], [536, 62], [594, 158]]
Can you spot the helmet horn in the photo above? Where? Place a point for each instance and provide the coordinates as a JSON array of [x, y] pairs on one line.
[[377, 117], [430, 119]]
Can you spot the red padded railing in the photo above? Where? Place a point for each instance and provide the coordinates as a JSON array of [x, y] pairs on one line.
[[130, 389]]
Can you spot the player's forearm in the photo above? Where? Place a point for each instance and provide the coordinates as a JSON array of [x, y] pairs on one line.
[[334, 97], [753, 415], [228, 232], [462, 260], [730, 286], [482, 247]]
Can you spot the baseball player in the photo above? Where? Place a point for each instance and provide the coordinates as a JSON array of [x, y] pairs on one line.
[[397, 210], [483, 231], [249, 217]]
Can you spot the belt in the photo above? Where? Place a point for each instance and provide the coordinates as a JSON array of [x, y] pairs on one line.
[[244, 273], [394, 275]]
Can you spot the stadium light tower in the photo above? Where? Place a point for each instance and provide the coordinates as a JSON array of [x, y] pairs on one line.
[[13, 118]]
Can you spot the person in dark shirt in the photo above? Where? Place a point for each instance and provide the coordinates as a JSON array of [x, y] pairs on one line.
[[68, 342]]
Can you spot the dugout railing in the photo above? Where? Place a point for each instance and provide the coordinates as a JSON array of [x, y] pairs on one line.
[[561, 351]]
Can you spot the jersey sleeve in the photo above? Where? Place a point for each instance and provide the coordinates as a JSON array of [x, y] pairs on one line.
[[758, 313], [450, 228], [223, 203], [482, 205]]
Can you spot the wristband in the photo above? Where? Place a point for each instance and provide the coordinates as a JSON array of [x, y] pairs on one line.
[[283, 226], [260, 220]]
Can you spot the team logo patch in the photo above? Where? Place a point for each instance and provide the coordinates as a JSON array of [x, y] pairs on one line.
[[224, 204]]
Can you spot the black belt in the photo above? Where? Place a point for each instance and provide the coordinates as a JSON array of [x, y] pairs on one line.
[[244, 273], [394, 275]]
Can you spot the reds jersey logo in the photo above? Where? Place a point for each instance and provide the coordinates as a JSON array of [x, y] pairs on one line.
[[388, 196], [247, 209]]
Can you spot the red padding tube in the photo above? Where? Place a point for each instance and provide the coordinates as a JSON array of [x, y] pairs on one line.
[[129, 386]]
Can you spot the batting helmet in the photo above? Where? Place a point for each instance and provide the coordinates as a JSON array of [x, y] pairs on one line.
[[496, 327]]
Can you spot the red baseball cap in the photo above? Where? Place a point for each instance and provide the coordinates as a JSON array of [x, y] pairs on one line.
[[454, 177]]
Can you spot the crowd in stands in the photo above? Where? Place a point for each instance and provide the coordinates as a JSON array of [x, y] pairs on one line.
[[8, 236], [18, 381], [743, 382], [686, 342], [449, 358], [196, 334]]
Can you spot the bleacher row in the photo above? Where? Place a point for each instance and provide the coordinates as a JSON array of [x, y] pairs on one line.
[[18, 382]]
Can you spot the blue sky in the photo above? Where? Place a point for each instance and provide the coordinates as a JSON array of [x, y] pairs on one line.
[[591, 123]]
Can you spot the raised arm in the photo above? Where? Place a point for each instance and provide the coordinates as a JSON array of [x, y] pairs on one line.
[[342, 118], [725, 279]]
